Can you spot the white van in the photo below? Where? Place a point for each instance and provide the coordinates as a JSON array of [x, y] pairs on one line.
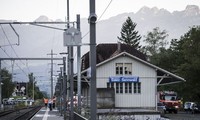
[[11, 101]]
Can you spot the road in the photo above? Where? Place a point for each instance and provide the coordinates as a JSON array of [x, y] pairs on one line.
[[183, 116]]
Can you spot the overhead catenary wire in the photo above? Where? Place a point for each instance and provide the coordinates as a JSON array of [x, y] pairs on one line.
[[19, 79], [100, 16], [36, 23], [15, 33], [97, 20], [105, 10], [6, 38], [15, 63], [12, 46], [13, 51], [5, 62]]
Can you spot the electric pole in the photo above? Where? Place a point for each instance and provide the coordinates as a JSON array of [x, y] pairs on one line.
[[93, 91], [51, 71], [0, 86], [79, 68]]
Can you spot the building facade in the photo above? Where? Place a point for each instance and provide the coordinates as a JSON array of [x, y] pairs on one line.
[[133, 79], [133, 82]]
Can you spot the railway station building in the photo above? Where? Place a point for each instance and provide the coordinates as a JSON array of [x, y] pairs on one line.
[[124, 77]]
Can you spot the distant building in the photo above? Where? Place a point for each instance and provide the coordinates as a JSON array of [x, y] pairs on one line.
[[21, 88]]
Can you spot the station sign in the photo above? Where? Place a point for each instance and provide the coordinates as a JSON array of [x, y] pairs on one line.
[[72, 37], [122, 79]]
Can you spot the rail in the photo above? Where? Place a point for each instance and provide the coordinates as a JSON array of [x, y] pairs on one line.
[[20, 113]]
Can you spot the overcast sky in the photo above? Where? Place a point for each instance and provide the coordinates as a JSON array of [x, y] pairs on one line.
[[29, 10]]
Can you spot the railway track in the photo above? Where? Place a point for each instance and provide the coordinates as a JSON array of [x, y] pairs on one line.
[[19, 114]]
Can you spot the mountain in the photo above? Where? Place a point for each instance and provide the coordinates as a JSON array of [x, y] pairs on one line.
[[38, 41], [43, 18], [41, 39], [176, 23]]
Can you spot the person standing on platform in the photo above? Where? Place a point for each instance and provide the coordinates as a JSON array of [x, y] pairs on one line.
[[45, 102], [54, 102], [50, 104]]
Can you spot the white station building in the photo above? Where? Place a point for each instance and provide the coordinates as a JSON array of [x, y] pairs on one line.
[[125, 79]]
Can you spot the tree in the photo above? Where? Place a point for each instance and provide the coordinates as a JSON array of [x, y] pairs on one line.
[[7, 84], [183, 59], [155, 40], [32, 86], [190, 69], [129, 35]]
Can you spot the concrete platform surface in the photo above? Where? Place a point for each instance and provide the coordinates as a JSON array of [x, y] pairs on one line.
[[46, 114]]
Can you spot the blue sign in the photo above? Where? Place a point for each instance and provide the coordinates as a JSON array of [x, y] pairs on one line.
[[114, 79], [124, 79]]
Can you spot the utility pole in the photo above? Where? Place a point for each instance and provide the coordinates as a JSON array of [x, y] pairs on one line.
[[61, 91], [70, 70], [93, 98], [72, 37], [33, 88], [0, 87], [64, 85], [71, 83], [79, 68], [51, 71], [60, 81]]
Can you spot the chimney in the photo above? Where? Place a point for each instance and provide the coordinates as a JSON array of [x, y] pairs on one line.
[[118, 46]]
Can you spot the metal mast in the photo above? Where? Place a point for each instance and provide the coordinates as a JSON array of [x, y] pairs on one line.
[[93, 98], [51, 72]]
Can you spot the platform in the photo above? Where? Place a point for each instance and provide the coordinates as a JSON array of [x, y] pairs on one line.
[[46, 114]]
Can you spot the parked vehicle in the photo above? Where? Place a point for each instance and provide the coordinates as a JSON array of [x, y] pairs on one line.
[[5, 101], [192, 107], [170, 100], [11, 101], [161, 108], [19, 100], [197, 109]]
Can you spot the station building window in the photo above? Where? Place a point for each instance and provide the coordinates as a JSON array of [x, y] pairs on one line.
[[126, 87], [117, 87], [128, 68], [123, 68], [121, 87], [119, 68], [137, 87], [110, 85], [129, 87]]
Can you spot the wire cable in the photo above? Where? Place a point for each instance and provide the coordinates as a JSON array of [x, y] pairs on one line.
[[15, 63], [14, 52], [7, 64], [100, 17], [97, 20], [13, 48], [105, 10]]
